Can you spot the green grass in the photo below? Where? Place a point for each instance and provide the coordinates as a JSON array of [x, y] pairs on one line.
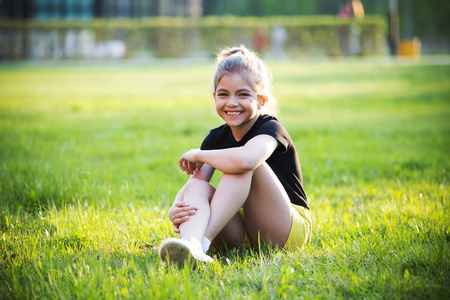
[[88, 172]]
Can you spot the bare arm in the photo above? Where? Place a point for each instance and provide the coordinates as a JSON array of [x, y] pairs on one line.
[[231, 160]]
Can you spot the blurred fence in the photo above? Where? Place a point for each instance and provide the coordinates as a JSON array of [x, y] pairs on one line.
[[179, 37]]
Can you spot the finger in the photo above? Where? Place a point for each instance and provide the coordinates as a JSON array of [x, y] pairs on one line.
[[192, 167], [181, 220], [184, 209], [181, 204], [188, 168], [180, 164], [187, 206], [184, 164], [182, 217], [185, 213], [183, 168], [188, 172]]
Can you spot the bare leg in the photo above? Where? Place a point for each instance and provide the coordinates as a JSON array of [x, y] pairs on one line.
[[268, 210], [189, 248], [230, 196], [232, 235], [266, 205], [197, 193]]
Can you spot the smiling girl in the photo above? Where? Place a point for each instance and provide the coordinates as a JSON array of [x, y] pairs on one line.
[[260, 197]]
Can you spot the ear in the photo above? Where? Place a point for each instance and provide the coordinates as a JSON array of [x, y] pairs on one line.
[[262, 101]]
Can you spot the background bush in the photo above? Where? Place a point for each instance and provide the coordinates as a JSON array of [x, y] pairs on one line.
[[179, 37]]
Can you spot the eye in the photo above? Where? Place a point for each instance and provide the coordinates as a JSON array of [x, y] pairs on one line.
[[222, 95], [244, 95]]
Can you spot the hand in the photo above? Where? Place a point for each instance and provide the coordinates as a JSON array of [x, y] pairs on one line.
[[188, 162], [180, 213]]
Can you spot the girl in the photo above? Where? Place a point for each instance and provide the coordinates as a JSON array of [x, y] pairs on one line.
[[260, 196]]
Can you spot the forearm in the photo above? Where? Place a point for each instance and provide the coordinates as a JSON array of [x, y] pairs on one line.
[[231, 160], [240, 159]]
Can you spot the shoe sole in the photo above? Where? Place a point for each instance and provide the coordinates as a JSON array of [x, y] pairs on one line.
[[176, 252]]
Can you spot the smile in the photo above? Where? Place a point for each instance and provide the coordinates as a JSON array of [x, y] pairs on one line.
[[233, 113]]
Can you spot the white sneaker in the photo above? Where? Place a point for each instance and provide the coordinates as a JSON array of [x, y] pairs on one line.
[[181, 250]]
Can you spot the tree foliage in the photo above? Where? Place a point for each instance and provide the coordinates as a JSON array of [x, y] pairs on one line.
[[426, 19]]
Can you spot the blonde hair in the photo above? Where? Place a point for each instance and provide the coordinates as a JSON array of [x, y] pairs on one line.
[[242, 60]]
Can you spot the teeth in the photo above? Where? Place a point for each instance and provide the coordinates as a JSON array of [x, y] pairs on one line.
[[233, 113]]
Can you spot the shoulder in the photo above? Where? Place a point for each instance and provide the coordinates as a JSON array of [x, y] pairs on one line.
[[271, 126]]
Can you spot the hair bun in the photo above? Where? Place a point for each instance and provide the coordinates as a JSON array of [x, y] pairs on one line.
[[231, 51], [236, 51]]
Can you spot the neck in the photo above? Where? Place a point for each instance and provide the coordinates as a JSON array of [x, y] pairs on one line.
[[241, 131]]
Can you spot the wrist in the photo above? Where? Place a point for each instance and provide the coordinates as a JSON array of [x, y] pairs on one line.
[[197, 155]]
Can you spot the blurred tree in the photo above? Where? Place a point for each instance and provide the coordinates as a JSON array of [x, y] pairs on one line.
[[432, 18], [428, 19], [231, 7], [307, 7], [255, 7], [330, 7], [261, 7]]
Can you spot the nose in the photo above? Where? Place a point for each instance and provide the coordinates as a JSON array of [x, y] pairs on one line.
[[232, 101]]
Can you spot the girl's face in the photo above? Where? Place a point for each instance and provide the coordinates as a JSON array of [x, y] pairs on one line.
[[237, 103]]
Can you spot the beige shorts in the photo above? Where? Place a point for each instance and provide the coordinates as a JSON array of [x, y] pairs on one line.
[[301, 229]]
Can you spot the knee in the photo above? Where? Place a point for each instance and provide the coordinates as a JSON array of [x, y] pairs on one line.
[[262, 167], [262, 171], [199, 187]]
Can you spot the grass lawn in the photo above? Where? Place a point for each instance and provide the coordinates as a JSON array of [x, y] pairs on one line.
[[88, 172]]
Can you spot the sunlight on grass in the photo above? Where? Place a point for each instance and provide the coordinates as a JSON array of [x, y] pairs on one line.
[[88, 166]]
